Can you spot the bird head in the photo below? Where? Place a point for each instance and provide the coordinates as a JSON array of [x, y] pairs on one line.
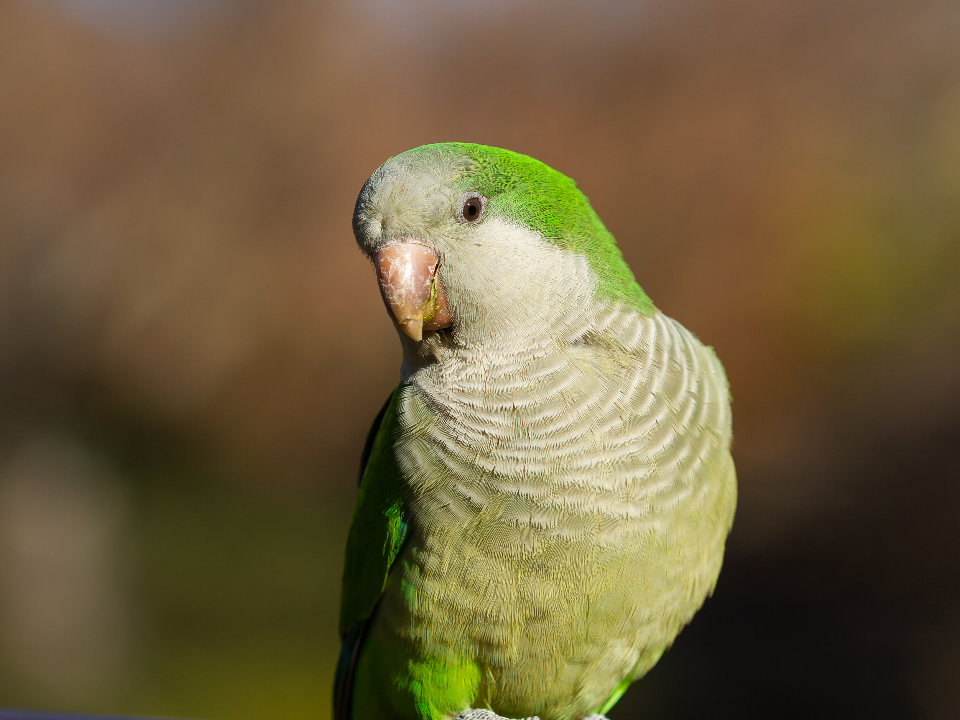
[[486, 245]]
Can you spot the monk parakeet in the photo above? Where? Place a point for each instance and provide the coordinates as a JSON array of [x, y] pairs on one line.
[[544, 498]]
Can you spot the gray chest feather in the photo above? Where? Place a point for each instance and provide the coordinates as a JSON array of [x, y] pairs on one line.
[[569, 504]]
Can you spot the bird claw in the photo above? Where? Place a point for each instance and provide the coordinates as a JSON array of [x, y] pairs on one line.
[[480, 714]]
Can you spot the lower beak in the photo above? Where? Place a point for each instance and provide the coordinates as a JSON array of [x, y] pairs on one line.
[[411, 290]]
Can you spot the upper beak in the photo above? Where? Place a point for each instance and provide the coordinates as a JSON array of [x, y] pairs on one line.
[[411, 290]]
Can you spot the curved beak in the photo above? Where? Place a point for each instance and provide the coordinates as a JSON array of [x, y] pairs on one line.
[[411, 290]]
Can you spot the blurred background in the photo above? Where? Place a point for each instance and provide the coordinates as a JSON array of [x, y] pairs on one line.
[[192, 348]]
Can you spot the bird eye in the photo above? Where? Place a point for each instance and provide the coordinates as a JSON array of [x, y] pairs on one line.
[[471, 207]]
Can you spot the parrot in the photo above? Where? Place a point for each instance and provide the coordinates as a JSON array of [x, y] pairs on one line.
[[545, 497]]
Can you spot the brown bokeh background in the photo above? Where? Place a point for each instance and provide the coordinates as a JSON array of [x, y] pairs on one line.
[[191, 347]]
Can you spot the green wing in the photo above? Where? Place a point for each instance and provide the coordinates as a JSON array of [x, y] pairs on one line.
[[377, 531]]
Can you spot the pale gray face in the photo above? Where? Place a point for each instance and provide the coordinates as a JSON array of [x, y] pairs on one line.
[[413, 198], [502, 282]]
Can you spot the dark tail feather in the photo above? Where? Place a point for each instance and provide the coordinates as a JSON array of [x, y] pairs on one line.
[[346, 667]]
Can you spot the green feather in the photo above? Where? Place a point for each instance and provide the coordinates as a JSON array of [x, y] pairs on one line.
[[524, 190], [377, 533], [378, 527]]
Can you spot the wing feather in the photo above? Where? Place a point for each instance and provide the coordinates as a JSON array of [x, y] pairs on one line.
[[377, 531]]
